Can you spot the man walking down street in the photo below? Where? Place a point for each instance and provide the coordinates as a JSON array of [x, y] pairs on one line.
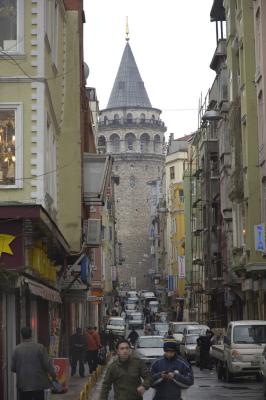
[[171, 374], [31, 364], [126, 375], [93, 345], [77, 352], [204, 343]]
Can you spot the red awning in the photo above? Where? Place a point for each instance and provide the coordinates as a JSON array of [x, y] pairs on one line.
[[43, 291]]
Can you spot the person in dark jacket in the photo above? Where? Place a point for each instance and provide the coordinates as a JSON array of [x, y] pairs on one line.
[[133, 336], [204, 343], [77, 351], [171, 374], [31, 364], [128, 375]]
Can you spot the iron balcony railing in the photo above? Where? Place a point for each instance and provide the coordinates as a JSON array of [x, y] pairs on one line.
[[132, 122]]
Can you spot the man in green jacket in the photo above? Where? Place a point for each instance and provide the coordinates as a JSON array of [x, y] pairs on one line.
[[125, 375]]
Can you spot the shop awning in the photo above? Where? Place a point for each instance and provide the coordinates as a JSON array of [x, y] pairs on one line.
[[96, 173], [43, 291]]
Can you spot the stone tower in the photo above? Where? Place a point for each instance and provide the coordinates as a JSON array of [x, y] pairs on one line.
[[131, 130]]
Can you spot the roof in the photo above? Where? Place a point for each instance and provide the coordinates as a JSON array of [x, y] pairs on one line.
[[128, 89]]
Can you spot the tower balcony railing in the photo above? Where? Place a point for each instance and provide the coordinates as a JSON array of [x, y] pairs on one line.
[[114, 123]]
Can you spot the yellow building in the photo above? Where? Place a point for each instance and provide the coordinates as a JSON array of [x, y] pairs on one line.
[[40, 111]]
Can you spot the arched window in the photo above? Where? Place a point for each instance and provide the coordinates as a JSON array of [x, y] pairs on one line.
[[105, 120], [157, 144], [130, 140], [142, 117], [101, 145], [144, 143], [115, 143], [129, 118], [116, 119], [153, 118]]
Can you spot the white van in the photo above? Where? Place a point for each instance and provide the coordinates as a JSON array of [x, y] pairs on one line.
[[242, 349]]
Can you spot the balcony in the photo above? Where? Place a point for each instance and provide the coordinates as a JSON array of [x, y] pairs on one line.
[[131, 123]]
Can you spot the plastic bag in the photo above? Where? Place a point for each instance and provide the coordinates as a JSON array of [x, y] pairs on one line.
[[56, 387]]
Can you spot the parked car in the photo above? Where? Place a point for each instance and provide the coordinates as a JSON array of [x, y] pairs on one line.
[[117, 325], [149, 348], [195, 329], [163, 316], [136, 320], [263, 369], [159, 328], [177, 329], [242, 350], [154, 306], [132, 293], [188, 347]]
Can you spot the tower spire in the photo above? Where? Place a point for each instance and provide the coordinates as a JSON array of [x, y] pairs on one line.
[[127, 30]]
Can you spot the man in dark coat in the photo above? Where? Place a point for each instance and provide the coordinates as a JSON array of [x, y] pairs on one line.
[[31, 364], [77, 351], [128, 375], [133, 336], [171, 374], [204, 343]]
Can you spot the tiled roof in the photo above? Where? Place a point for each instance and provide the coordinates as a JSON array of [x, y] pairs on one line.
[[128, 89]]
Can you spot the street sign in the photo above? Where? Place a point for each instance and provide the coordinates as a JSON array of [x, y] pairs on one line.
[[260, 238]]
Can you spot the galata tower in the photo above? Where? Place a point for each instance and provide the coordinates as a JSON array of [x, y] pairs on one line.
[[131, 130]]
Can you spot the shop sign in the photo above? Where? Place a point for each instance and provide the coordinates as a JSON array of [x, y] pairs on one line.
[[11, 245], [260, 238]]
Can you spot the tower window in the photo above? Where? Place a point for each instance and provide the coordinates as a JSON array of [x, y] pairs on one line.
[[172, 172]]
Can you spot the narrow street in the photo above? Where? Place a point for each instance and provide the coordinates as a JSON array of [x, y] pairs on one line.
[[207, 387]]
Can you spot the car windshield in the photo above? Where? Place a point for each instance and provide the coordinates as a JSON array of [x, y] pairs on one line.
[[150, 342], [250, 334], [161, 327], [132, 300], [130, 306], [192, 339], [116, 322], [136, 316], [179, 328]]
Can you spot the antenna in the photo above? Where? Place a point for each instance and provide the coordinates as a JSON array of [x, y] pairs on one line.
[[127, 30]]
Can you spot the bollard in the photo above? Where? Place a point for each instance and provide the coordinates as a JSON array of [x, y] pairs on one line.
[[87, 390], [82, 395]]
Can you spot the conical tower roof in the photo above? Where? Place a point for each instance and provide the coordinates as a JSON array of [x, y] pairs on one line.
[[128, 89]]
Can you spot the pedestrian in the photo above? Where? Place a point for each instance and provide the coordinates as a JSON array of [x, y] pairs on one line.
[[32, 366], [171, 374], [128, 375], [204, 343], [111, 340], [77, 352], [93, 345], [133, 336]]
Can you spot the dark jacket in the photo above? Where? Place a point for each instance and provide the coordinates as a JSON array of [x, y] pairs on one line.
[[125, 376], [171, 389], [204, 343], [133, 337], [32, 366], [78, 345]]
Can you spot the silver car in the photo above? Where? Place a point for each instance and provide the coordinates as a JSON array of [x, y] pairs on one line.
[[149, 348], [188, 347], [136, 320]]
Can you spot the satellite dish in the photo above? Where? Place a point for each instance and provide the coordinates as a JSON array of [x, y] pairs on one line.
[[86, 70]]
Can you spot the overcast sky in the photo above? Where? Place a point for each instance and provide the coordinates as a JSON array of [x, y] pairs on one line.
[[173, 42]]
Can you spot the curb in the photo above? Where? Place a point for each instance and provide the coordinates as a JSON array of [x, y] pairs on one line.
[[92, 380]]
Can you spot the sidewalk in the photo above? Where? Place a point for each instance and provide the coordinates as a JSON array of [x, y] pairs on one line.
[[76, 384]]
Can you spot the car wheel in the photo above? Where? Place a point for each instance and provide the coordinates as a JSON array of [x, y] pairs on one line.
[[264, 386], [228, 375]]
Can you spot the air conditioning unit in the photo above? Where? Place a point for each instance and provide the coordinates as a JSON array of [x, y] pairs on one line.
[[93, 237]]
